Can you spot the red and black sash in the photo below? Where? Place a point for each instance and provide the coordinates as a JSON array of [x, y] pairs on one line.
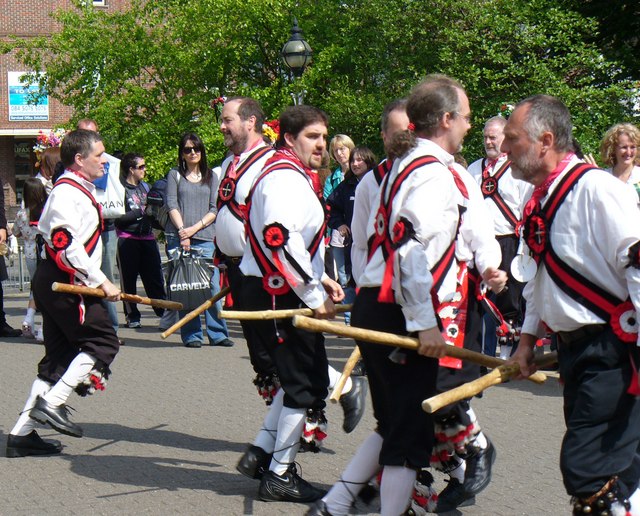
[[91, 244], [616, 312], [491, 190], [276, 280], [382, 169], [390, 239], [227, 188]]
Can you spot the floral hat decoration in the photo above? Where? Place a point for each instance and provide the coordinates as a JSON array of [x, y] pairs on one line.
[[506, 110], [271, 129], [45, 141]]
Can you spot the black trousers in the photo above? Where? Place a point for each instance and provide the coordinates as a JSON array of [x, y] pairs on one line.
[[510, 301], [299, 356], [65, 332], [258, 354], [397, 389], [140, 257], [603, 421]]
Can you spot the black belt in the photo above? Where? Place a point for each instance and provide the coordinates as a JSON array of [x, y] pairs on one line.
[[570, 337], [235, 260], [511, 236]]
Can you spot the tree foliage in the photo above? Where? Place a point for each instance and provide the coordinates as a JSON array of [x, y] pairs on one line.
[[148, 74]]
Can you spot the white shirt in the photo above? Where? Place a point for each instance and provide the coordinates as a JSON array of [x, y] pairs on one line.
[[476, 241], [287, 197], [512, 191], [367, 199], [633, 181], [592, 232], [429, 199], [475, 169], [230, 233], [67, 207]]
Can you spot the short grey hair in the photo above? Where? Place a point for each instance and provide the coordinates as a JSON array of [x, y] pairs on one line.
[[547, 113]]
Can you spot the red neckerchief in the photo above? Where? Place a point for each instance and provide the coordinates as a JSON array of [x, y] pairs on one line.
[[231, 171], [490, 164], [287, 154], [541, 190]]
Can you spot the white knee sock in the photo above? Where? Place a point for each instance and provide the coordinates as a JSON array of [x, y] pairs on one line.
[[288, 439], [458, 471], [396, 489], [76, 373], [266, 438], [25, 424], [362, 467], [31, 313], [634, 500], [334, 376], [481, 439]]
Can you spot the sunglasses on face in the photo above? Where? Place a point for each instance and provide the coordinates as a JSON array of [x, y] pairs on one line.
[[189, 150], [141, 167]]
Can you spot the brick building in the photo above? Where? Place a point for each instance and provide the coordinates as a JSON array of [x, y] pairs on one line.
[[21, 123]]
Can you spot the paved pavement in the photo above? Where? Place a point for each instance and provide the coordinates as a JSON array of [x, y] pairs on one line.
[[165, 436]]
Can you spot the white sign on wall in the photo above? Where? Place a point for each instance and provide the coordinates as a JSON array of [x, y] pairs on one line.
[[20, 109]]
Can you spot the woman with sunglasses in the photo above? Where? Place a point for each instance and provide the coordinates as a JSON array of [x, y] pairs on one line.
[[191, 190], [137, 252]]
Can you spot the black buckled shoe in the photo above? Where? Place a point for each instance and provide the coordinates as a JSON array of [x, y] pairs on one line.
[[319, 509], [478, 471], [289, 487], [254, 462], [57, 417], [353, 403], [359, 369], [453, 496], [31, 444]]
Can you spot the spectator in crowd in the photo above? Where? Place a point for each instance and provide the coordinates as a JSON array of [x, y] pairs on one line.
[[138, 253], [26, 226], [619, 151], [191, 199]]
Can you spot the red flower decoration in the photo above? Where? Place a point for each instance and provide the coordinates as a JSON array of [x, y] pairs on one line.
[[381, 221], [275, 236], [624, 322], [61, 239], [535, 234], [402, 232], [275, 284], [411, 127], [226, 189]]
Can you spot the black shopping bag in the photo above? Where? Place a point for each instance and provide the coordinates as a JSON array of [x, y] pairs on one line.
[[188, 280]]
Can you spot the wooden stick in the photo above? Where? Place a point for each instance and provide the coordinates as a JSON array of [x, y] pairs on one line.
[[98, 292], [390, 339], [346, 373], [499, 375], [195, 312], [265, 315]]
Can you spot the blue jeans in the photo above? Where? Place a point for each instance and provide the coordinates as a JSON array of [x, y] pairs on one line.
[[344, 277], [109, 246], [216, 327]]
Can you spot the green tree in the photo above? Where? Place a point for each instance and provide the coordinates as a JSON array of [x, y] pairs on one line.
[[148, 74]]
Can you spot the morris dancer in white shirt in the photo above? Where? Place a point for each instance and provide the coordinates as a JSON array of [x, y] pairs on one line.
[[503, 195], [583, 228], [411, 259], [284, 268], [80, 342]]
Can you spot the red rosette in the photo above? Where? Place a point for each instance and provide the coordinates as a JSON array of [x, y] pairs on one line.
[[275, 284], [275, 236], [624, 322], [402, 232], [227, 189], [61, 239], [535, 234], [489, 186], [381, 222]]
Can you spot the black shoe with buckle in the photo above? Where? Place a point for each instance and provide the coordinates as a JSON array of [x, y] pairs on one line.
[[289, 487], [254, 462], [57, 417], [31, 444], [453, 496], [478, 471], [353, 403], [359, 369], [318, 509]]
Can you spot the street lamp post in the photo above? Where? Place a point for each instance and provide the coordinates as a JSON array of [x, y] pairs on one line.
[[296, 54]]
